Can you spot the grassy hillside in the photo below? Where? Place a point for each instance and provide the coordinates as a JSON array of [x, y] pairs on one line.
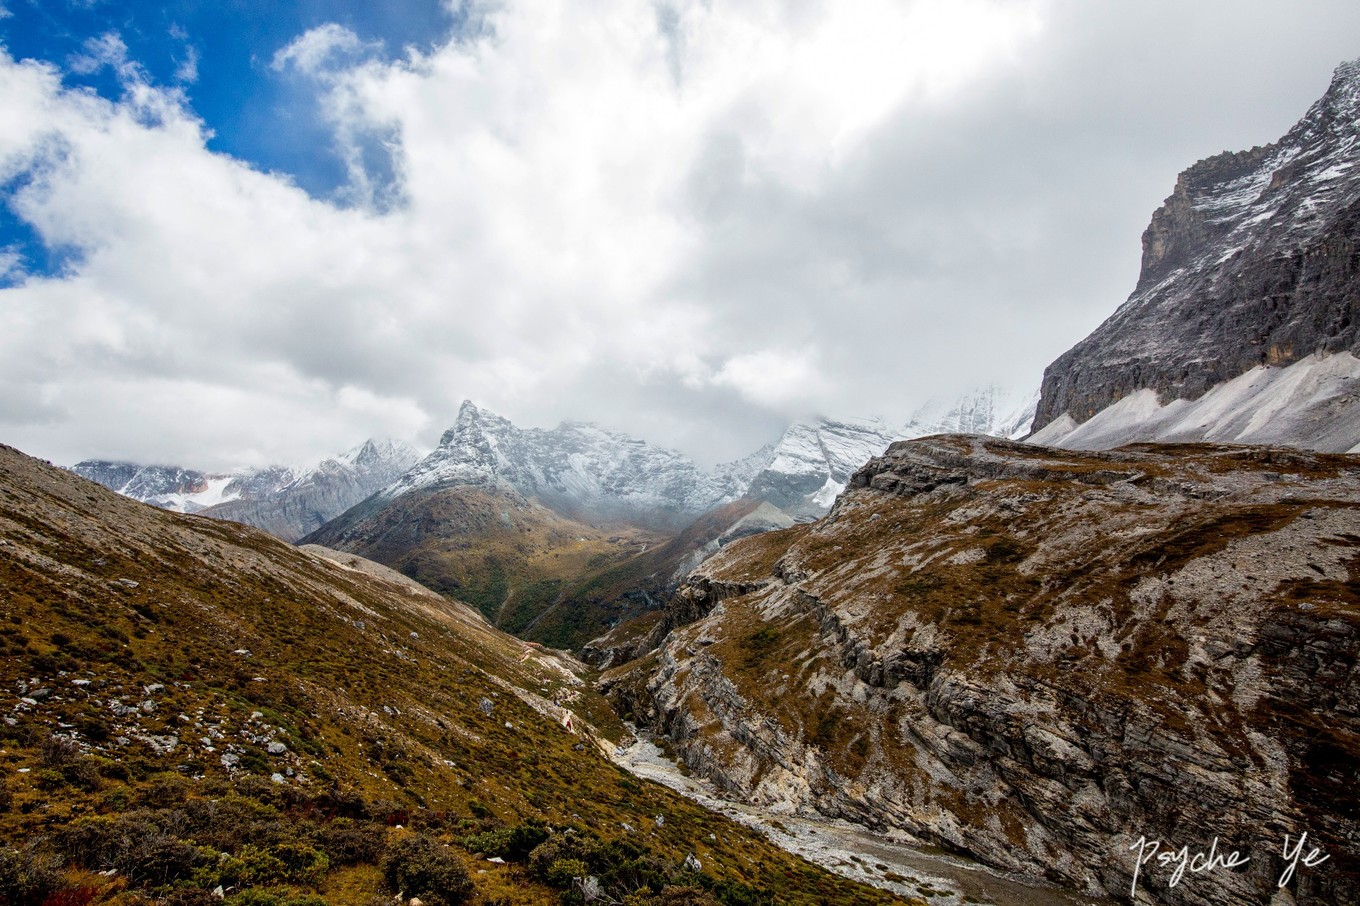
[[191, 704], [530, 570]]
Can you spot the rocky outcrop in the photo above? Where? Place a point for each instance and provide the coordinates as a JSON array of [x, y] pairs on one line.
[[1038, 657], [1254, 260]]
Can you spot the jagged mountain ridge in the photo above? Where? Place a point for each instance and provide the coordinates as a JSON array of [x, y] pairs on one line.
[[287, 502], [584, 471], [1253, 263], [314, 496], [591, 473], [1035, 656]]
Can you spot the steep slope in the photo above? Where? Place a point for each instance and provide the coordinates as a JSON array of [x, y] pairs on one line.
[[315, 496], [1039, 657], [1253, 263], [193, 704], [1313, 403], [286, 502]]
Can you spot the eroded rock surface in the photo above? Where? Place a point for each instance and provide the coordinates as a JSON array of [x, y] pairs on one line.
[[1038, 656]]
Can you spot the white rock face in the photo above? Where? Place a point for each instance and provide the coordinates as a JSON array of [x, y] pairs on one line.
[[811, 463], [986, 410], [807, 469]]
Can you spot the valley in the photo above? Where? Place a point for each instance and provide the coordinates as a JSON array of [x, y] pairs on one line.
[[980, 655]]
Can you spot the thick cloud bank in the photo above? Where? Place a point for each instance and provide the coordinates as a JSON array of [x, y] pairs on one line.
[[688, 220]]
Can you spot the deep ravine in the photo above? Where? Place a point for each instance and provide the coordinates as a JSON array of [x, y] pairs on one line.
[[893, 863]]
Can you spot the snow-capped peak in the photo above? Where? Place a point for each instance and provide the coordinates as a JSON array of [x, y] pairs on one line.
[[579, 467]]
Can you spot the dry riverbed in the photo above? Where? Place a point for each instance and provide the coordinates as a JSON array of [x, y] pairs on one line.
[[893, 863]]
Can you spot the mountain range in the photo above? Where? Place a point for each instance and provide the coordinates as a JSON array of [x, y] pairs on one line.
[[561, 534], [287, 502]]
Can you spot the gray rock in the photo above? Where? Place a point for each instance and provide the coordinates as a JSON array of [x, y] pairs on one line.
[[1250, 262], [1063, 652]]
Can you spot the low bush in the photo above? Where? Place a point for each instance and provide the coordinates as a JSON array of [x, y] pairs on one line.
[[136, 844], [27, 876], [419, 866], [346, 842]]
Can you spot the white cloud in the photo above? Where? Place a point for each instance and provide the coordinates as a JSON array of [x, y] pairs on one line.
[[741, 210], [186, 72], [773, 378], [315, 51], [11, 264]]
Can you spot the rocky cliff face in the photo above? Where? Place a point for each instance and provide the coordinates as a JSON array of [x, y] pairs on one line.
[[1038, 657], [1253, 261]]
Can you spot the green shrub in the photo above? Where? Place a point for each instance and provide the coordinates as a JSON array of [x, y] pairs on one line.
[[513, 843], [304, 864], [420, 866], [491, 843], [135, 844], [349, 843], [27, 876], [561, 871]]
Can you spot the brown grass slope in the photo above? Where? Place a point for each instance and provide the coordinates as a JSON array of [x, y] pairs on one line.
[[531, 570], [1037, 656], [189, 703]]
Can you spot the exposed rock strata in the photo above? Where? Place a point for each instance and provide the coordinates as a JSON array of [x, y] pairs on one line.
[[1038, 656]]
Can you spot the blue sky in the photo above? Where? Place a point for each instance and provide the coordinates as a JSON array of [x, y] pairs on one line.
[[220, 54], [241, 233]]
